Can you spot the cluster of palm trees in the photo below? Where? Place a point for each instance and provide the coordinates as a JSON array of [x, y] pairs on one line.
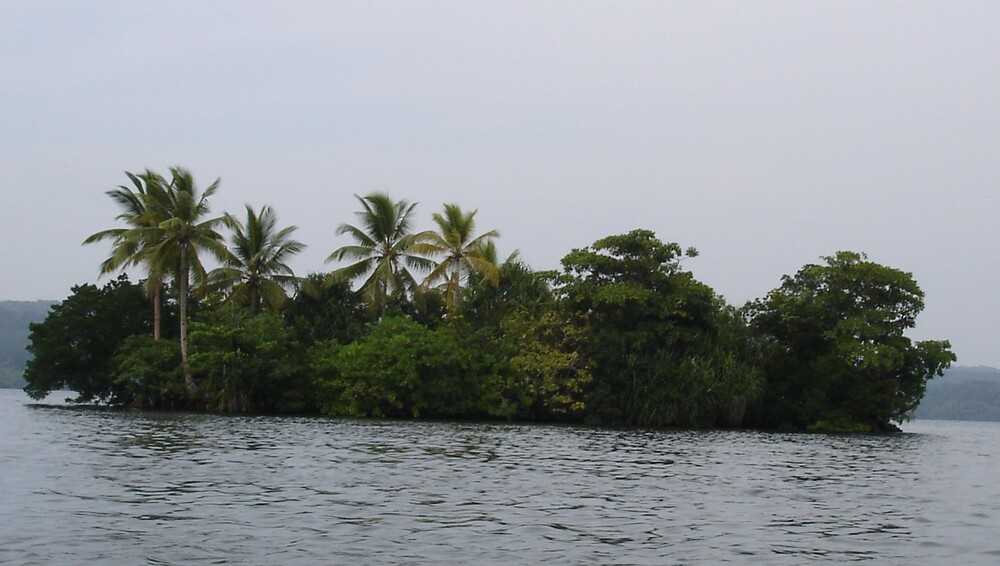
[[168, 230], [385, 250]]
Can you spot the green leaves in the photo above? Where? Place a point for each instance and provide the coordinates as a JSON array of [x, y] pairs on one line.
[[248, 362], [384, 249], [142, 208], [461, 253], [548, 374], [623, 335], [401, 369], [147, 374], [256, 272], [840, 353], [73, 348], [665, 350]]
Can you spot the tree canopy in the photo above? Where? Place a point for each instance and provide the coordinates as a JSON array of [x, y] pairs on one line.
[[73, 348], [837, 354], [462, 253], [656, 335], [623, 334], [256, 272], [384, 249]]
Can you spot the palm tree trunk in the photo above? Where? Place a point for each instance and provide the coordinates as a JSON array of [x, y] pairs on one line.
[[383, 298], [456, 284], [157, 315], [182, 288]]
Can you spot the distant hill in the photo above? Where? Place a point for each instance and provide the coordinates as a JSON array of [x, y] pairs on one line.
[[15, 316], [964, 393]]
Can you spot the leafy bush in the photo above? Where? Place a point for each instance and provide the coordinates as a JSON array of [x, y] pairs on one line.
[[836, 345], [147, 374], [74, 346], [401, 369], [325, 309], [544, 375], [247, 363], [665, 349]]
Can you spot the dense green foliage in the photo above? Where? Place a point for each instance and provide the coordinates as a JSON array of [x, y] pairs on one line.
[[248, 362], [326, 309], [624, 334], [146, 372], [461, 253], [659, 340], [142, 207], [73, 348], [543, 372], [384, 250], [837, 356], [256, 273], [401, 369]]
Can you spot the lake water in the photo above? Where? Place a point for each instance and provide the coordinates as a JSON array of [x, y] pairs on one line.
[[102, 487]]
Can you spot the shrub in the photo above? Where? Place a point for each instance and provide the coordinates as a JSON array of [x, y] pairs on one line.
[[401, 369], [147, 374]]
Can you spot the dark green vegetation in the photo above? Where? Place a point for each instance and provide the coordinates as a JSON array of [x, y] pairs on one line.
[[440, 327], [834, 346]]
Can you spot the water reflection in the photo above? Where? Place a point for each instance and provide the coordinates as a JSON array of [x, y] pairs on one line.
[[117, 487]]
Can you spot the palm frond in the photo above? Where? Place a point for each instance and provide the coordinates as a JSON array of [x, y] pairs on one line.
[[353, 271], [481, 239], [350, 253], [359, 235], [439, 273], [486, 268], [112, 233], [419, 263]]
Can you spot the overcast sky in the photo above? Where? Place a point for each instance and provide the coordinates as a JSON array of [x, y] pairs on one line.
[[765, 134]]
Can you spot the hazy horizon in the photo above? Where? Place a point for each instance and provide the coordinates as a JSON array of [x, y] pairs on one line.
[[765, 135]]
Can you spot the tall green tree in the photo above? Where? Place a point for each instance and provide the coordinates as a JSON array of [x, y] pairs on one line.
[[401, 369], [520, 288], [326, 309], [142, 206], [653, 335], [462, 253], [256, 272], [74, 346], [543, 370], [384, 249], [180, 239], [248, 362], [836, 352]]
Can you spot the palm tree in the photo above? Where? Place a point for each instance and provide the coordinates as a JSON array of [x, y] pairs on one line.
[[463, 253], [257, 272], [383, 244], [178, 240], [141, 207], [488, 250]]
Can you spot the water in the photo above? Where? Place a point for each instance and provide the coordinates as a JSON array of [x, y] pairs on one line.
[[84, 486]]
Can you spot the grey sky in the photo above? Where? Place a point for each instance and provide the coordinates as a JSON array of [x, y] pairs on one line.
[[764, 133]]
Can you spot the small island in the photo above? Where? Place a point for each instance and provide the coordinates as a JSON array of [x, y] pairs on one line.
[[416, 323]]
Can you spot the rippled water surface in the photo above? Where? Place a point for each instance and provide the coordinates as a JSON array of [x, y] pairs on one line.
[[86, 486]]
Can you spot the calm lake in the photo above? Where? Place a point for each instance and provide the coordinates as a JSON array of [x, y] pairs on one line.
[[86, 486]]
